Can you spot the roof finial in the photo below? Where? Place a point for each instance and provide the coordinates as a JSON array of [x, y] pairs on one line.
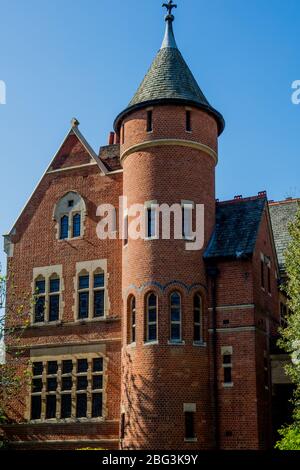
[[169, 39], [169, 6]]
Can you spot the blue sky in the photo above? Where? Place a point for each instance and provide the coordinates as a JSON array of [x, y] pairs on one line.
[[86, 58]]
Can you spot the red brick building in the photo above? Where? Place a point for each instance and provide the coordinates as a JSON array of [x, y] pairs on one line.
[[143, 344]]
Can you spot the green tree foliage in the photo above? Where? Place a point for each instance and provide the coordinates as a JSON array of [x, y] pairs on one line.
[[290, 335], [14, 319]]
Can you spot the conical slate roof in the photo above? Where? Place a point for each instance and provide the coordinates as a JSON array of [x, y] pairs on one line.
[[170, 81]]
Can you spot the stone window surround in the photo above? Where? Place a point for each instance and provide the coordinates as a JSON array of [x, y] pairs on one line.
[[90, 267], [59, 354], [61, 209], [47, 273]]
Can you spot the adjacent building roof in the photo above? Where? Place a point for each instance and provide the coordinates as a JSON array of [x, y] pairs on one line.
[[282, 213], [237, 225], [170, 81]]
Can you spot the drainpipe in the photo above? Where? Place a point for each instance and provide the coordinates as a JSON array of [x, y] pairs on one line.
[[213, 272]]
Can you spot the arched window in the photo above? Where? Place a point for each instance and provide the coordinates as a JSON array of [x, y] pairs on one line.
[[131, 320], [151, 317], [40, 300], [76, 228], [54, 289], [64, 227], [83, 295], [99, 291], [198, 318], [175, 317], [69, 214]]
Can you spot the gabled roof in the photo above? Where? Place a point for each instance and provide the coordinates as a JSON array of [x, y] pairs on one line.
[[170, 81], [237, 225], [282, 213], [73, 131]]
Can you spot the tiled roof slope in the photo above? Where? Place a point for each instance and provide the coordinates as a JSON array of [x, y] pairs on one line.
[[237, 224], [170, 81], [282, 213]]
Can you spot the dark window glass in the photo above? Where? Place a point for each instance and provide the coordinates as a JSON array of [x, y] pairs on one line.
[[133, 319], [188, 121], [197, 333], [36, 407], [123, 134], [66, 383], [82, 365], [175, 314], [64, 227], [152, 332], [96, 405], [97, 382], [71, 203], [50, 406], [54, 285], [54, 307], [98, 303], [84, 282], [269, 280], [175, 331], [37, 385], [40, 287], [150, 222], [227, 359], [197, 317], [83, 305], [262, 273], [152, 300], [81, 405], [227, 375], [149, 121], [66, 406], [82, 382], [99, 280], [51, 384], [152, 315], [98, 364], [52, 367], [39, 310], [189, 425], [37, 368], [76, 225], [67, 367]]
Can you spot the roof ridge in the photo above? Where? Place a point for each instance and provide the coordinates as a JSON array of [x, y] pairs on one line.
[[261, 196]]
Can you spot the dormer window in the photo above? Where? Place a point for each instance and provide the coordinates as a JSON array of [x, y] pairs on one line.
[[69, 214]]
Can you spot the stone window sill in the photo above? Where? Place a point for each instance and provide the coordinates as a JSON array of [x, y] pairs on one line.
[[176, 343], [200, 344], [150, 343], [228, 385], [191, 439]]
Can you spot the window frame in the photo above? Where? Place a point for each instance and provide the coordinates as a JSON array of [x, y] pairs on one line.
[[199, 324], [59, 392], [177, 322], [148, 323], [131, 320], [47, 295], [91, 268]]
